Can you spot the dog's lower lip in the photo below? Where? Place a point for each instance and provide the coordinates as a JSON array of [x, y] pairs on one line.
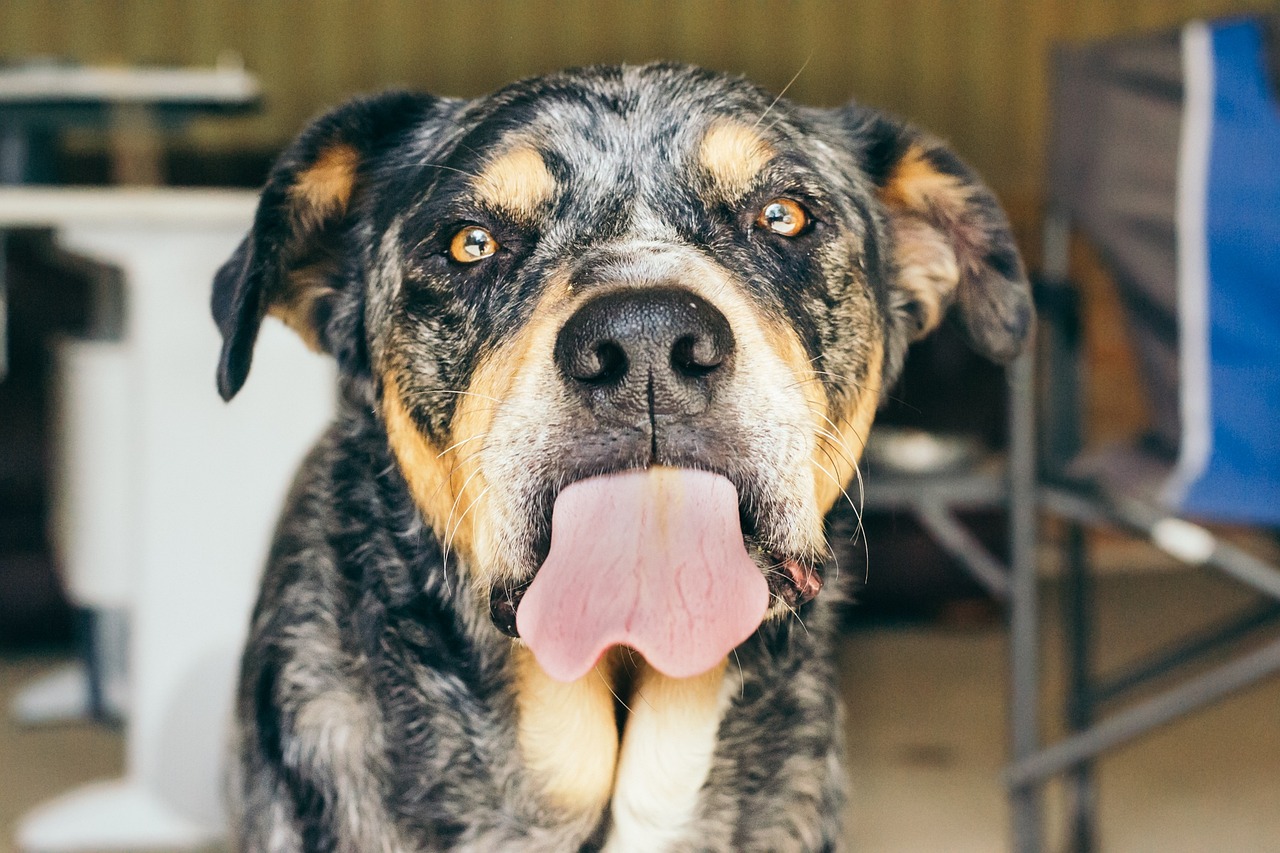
[[795, 582], [504, 600]]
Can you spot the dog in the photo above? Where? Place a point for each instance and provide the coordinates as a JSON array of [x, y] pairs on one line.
[[609, 345]]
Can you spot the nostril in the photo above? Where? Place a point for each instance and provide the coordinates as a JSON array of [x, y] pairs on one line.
[[695, 356], [605, 365]]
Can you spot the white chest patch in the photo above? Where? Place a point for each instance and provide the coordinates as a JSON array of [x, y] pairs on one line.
[[666, 754]]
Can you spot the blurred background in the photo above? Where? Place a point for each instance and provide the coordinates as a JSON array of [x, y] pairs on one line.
[[975, 72]]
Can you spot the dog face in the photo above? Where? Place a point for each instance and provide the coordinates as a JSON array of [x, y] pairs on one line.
[[620, 268]]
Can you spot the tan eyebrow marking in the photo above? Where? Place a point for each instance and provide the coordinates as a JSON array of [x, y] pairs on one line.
[[734, 154], [517, 180]]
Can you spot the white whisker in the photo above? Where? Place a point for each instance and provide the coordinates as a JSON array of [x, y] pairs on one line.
[[774, 102]]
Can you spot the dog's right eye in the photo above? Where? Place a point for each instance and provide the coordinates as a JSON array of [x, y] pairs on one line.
[[472, 244], [784, 216]]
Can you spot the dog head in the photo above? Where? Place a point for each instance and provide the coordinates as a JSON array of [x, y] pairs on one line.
[[613, 269]]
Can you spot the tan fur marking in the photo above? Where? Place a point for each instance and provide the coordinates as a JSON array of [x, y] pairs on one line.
[[296, 306], [517, 180], [449, 484], [429, 472], [667, 751], [927, 211], [327, 184], [839, 436], [318, 191], [498, 383], [734, 154], [916, 186], [841, 447], [568, 733]]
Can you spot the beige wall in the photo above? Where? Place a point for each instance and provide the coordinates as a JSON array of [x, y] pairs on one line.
[[971, 70]]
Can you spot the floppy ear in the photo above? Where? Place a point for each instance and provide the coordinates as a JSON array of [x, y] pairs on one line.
[[289, 264], [952, 244]]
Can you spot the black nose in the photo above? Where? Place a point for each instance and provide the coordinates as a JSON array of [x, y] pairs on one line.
[[646, 350]]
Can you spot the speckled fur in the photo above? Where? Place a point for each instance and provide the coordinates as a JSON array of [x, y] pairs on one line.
[[378, 707]]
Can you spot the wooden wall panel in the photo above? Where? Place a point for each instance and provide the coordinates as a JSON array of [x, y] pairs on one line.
[[971, 70]]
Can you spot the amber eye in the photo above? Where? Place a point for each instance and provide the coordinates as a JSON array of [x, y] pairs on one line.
[[783, 216], [472, 244]]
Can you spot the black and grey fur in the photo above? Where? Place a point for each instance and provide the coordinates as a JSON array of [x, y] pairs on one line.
[[380, 702]]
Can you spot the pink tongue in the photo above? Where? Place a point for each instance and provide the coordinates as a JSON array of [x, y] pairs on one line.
[[649, 559]]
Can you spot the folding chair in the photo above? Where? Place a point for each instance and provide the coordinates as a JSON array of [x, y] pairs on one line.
[[1166, 158]]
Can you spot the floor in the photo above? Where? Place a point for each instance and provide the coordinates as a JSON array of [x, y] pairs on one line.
[[925, 716], [926, 724], [37, 763]]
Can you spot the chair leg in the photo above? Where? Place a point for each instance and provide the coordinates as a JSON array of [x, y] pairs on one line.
[[1024, 605], [1077, 626], [86, 630]]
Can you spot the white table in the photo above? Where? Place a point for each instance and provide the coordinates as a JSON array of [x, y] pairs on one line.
[[200, 485]]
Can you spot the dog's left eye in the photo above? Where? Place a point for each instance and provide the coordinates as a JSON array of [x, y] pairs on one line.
[[784, 216], [472, 244]]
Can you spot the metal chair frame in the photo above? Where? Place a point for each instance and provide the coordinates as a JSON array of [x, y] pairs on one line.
[[1044, 487], [1030, 484]]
